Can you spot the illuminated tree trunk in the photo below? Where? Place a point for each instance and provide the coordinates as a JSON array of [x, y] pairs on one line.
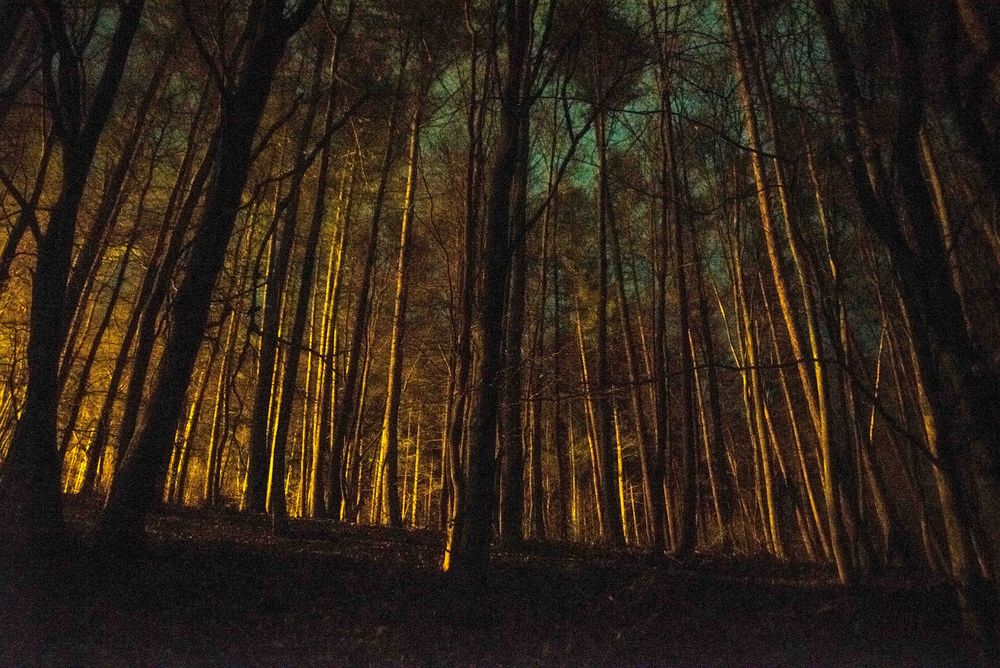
[[660, 232], [597, 471], [944, 219], [152, 297], [536, 471], [262, 416], [216, 437], [715, 438], [453, 473], [415, 496], [352, 473], [567, 483], [645, 443], [310, 407], [178, 481], [278, 508], [87, 259], [76, 403], [809, 365], [389, 446], [347, 404], [319, 505]]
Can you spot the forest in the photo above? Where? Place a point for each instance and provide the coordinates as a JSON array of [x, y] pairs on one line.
[[528, 332]]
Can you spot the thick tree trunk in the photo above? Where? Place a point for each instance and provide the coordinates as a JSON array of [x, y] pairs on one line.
[[956, 383], [30, 496], [467, 548], [512, 433], [133, 491]]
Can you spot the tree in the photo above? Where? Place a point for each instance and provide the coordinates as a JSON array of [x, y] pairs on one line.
[[133, 490], [29, 479]]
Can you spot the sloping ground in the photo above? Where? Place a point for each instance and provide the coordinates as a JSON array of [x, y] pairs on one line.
[[218, 589]]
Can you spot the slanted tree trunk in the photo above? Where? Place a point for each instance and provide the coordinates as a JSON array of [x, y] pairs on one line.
[[955, 383], [810, 371], [76, 403], [133, 492], [30, 496], [255, 495], [153, 293], [28, 217], [716, 441], [113, 197]]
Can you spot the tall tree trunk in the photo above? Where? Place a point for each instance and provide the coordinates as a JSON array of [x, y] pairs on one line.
[[467, 548], [319, 505], [30, 500], [453, 476], [346, 411], [606, 447], [512, 433], [958, 408], [561, 433], [263, 420], [133, 491], [810, 370], [389, 450], [646, 442]]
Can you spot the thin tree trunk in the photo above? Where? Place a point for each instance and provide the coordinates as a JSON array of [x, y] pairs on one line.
[[613, 530], [389, 446], [319, 505], [268, 381], [347, 403]]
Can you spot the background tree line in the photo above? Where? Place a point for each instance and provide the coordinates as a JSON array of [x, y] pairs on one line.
[[679, 275]]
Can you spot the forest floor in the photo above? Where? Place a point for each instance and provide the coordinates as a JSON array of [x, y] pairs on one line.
[[217, 588]]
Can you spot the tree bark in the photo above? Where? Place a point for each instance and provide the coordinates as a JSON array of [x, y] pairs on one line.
[[30, 496], [389, 450], [133, 491]]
